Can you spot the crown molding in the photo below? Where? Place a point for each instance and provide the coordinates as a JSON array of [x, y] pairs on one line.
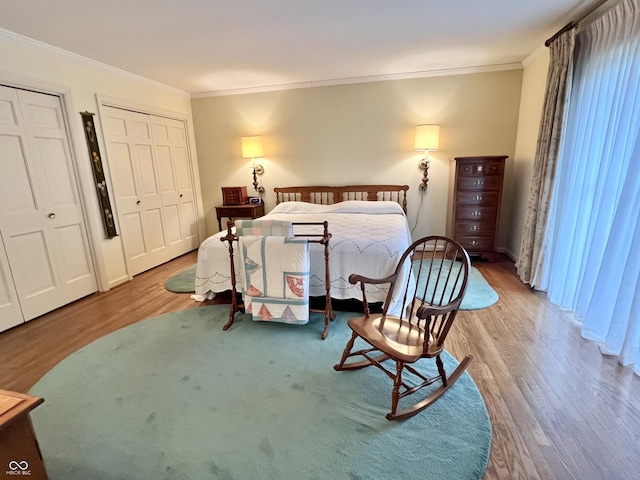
[[48, 49], [368, 79], [534, 56], [60, 53]]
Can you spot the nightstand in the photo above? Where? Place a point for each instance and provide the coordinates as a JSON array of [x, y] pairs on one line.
[[239, 211]]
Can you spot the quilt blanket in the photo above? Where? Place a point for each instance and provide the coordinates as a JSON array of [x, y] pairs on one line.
[[275, 278]]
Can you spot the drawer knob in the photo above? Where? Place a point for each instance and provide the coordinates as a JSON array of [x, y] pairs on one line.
[[474, 243], [479, 183], [475, 228], [476, 213], [477, 198]]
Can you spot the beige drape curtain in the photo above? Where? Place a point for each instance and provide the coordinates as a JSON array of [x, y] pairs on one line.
[[533, 249]]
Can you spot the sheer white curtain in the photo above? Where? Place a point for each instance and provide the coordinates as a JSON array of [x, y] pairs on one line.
[[594, 223]]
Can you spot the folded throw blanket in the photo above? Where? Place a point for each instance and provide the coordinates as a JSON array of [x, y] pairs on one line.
[[264, 227]]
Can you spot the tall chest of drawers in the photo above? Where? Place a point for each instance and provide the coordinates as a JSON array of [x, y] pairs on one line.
[[476, 202]]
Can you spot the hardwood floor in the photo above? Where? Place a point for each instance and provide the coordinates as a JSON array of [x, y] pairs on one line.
[[30, 350], [558, 408]]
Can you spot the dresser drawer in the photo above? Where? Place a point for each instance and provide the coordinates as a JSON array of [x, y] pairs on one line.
[[476, 244], [481, 168], [479, 214], [230, 211], [479, 182], [481, 199], [476, 229]]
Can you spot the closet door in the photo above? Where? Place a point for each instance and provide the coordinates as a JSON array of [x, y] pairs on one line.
[[174, 169], [10, 313], [15, 175], [136, 188], [40, 213]]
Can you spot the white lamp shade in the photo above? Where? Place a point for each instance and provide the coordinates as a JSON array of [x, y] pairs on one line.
[[427, 137], [252, 147]]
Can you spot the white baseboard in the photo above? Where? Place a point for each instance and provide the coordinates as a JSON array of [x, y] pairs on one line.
[[508, 253]]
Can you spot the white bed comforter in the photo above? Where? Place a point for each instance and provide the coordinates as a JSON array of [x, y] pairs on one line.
[[368, 238]]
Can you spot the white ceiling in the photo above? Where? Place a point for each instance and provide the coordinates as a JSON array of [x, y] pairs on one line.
[[213, 45]]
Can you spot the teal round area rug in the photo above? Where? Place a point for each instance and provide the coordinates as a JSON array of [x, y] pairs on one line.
[[183, 282], [175, 397]]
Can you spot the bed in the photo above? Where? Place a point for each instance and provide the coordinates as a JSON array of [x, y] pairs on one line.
[[369, 232]]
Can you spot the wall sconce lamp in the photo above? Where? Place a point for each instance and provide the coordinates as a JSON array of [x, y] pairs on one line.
[[252, 148], [427, 140]]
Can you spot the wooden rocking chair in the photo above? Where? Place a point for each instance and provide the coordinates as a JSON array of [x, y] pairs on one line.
[[440, 268]]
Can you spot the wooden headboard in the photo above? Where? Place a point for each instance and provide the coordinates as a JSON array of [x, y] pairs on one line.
[[327, 195]]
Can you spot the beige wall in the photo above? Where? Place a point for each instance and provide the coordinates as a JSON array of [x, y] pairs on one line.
[[360, 133], [30, 64], [531, 105]]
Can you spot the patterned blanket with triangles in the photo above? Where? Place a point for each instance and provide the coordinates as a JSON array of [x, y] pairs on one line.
[[275, 278]]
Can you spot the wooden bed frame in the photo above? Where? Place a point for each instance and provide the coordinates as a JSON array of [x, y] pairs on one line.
[[324, 195], [328, 195]]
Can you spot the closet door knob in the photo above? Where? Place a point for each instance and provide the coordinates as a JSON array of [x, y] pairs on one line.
[[138, 202], [52, 215]]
